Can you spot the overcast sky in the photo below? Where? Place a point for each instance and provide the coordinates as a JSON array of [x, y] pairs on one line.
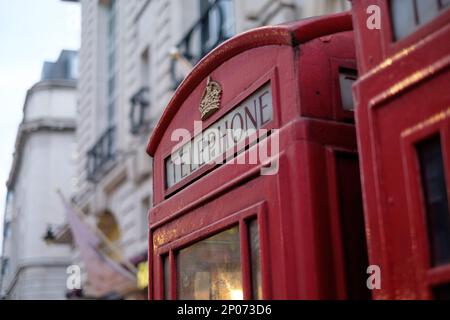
[[31, 32]]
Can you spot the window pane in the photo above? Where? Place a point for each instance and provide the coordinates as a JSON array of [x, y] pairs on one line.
[[436, 203], [7, 230], [166, 270], [111, 86], [111, 62], [211, 269], [111, 113], [5, 266], [255, 260], [427, 10], [442, 292], [346, 79], [407, 15], [403, 17]]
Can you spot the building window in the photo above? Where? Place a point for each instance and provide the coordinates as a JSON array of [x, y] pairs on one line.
[[145, 67], [408, 15], [140, 101], [435, 197], [112, 57], [145, 205], [7, 230], [5, 266], [215, 25], [9, 204], [220, 22], [347, 77], [102, 155]]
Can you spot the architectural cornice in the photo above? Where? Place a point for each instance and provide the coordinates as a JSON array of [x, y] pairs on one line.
[[49, 85], [32, 263], [54, 83], [31, 127]]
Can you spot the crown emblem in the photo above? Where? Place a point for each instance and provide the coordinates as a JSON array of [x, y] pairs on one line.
[[210, 101]]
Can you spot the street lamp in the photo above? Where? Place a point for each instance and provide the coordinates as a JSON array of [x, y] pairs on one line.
[[49, 236]]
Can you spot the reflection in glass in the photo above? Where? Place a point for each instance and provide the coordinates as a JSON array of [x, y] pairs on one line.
[[255, 260], [211, 268]]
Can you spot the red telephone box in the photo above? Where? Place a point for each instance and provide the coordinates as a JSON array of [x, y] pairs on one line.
[[288, 226], [403, 112]]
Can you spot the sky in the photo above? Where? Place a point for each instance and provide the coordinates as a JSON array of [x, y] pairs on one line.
[[31, 32]]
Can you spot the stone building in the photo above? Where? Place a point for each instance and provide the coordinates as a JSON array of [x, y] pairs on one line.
[[43, 162], [133, 55]]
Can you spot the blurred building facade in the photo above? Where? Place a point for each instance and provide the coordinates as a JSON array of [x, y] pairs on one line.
[[43, 162], [133, 55]]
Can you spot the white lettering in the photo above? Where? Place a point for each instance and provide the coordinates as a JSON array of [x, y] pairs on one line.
[[222, 140]]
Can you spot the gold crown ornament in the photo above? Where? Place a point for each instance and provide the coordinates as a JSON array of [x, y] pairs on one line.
[[210, 101]]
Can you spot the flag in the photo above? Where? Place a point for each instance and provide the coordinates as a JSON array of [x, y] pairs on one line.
[[105, 275]]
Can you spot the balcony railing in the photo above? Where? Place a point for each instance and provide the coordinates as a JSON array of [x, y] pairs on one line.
[[102, 155], [201, 38], [139, 122]]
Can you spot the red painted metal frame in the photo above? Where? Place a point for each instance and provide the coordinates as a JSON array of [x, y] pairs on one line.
[[426, 274], [296, 233], [401, 85]]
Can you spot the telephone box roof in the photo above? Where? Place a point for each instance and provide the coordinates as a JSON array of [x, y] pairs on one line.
[[290, 34]]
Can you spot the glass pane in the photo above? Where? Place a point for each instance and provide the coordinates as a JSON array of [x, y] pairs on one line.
[[111, 113], [111, 62], [211, 268], [7, 229], [427, 10], [255, 260], [403, 17], [346, 79], [111, 86], [166, 277], [436, 203], [442, 292], [5, 266]]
